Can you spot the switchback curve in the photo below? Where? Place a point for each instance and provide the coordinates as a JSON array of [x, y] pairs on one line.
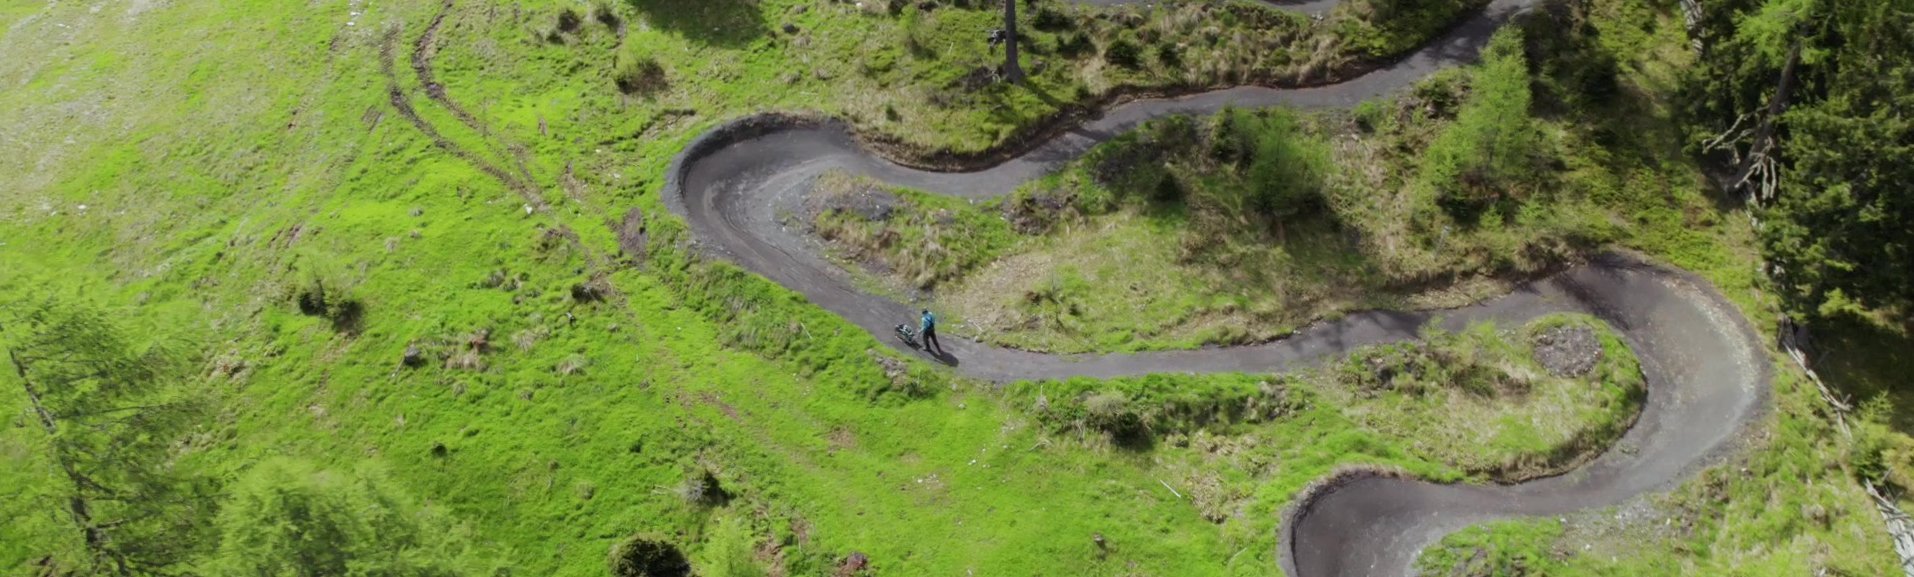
[[1707, 374]]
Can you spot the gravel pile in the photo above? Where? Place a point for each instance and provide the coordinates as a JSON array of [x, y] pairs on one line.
[[1568, 351]]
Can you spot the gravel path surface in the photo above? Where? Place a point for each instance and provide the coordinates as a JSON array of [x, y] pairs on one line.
[[1707, 376]]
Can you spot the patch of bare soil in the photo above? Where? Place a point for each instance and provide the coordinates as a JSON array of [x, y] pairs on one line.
[[867, 200], [1034, 213], [1568, 351]]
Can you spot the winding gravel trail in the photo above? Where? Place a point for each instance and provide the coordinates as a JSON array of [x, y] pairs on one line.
[[1708, 377]]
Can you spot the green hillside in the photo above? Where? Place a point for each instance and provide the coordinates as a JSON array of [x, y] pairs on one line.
[[389, 288]]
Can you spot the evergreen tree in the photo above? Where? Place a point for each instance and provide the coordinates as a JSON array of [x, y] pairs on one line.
[[288, 519], [113, 412], [1490, 150], [1812, 99]]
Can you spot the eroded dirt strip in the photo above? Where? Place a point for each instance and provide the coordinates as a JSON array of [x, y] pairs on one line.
[[1708, 377], [403, 104]]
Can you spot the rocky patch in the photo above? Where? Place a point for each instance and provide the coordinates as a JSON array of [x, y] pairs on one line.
[[840, 194], [1567, 351]]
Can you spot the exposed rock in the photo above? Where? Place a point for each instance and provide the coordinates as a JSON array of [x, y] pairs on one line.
[[1568, 351], [413, 356], [894, 369], [854, 564]]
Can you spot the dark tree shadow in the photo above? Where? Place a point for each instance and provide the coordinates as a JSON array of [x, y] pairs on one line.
[[1866, 358], [728, 23]]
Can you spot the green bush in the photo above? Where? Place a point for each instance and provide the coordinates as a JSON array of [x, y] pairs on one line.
[[569, 20], [1124, 52], [287, 518], [645, 555], [1168, 55], [730, 551], [1131, 410], [635, 75], [319, 295], [1075, 44], [1112, 413], [1287, 169], [604, 14], [1490, 153]]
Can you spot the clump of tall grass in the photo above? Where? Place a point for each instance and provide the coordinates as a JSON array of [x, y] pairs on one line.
[[639, 74]]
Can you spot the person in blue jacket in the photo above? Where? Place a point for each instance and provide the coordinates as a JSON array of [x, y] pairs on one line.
[[928, 327]]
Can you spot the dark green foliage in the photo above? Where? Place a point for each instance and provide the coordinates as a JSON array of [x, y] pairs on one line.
[[1572, 70], [1168, 55], [1134, 163], [1417, 368], [702, 488], [1394, 26], [639, 75], [1258, 163], [648, 556], [1050, 19], [604, 14], [1490, 155], [1075, 44], [569, 20], [320, 297], [1113, 413], [286, 518], [1841, 229], [1124, 52], [717, 22], [1287, 169], [113, 411]]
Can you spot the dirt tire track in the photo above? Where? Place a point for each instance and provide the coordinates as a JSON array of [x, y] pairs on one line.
[[424, 49], [395, 94]]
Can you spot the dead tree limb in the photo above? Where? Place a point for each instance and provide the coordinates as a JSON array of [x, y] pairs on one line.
[[1760, 160]]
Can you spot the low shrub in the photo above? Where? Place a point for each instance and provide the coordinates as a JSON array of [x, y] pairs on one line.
[[603, 13], [1169, 55], [318, 297], [1050, 19], [1490, 154], [569, 20], [639, 75], [1125, 53], [1075, 45], [645, 555]]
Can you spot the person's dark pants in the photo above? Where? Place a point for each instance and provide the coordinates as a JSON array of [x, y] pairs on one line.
[[930, 340]]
